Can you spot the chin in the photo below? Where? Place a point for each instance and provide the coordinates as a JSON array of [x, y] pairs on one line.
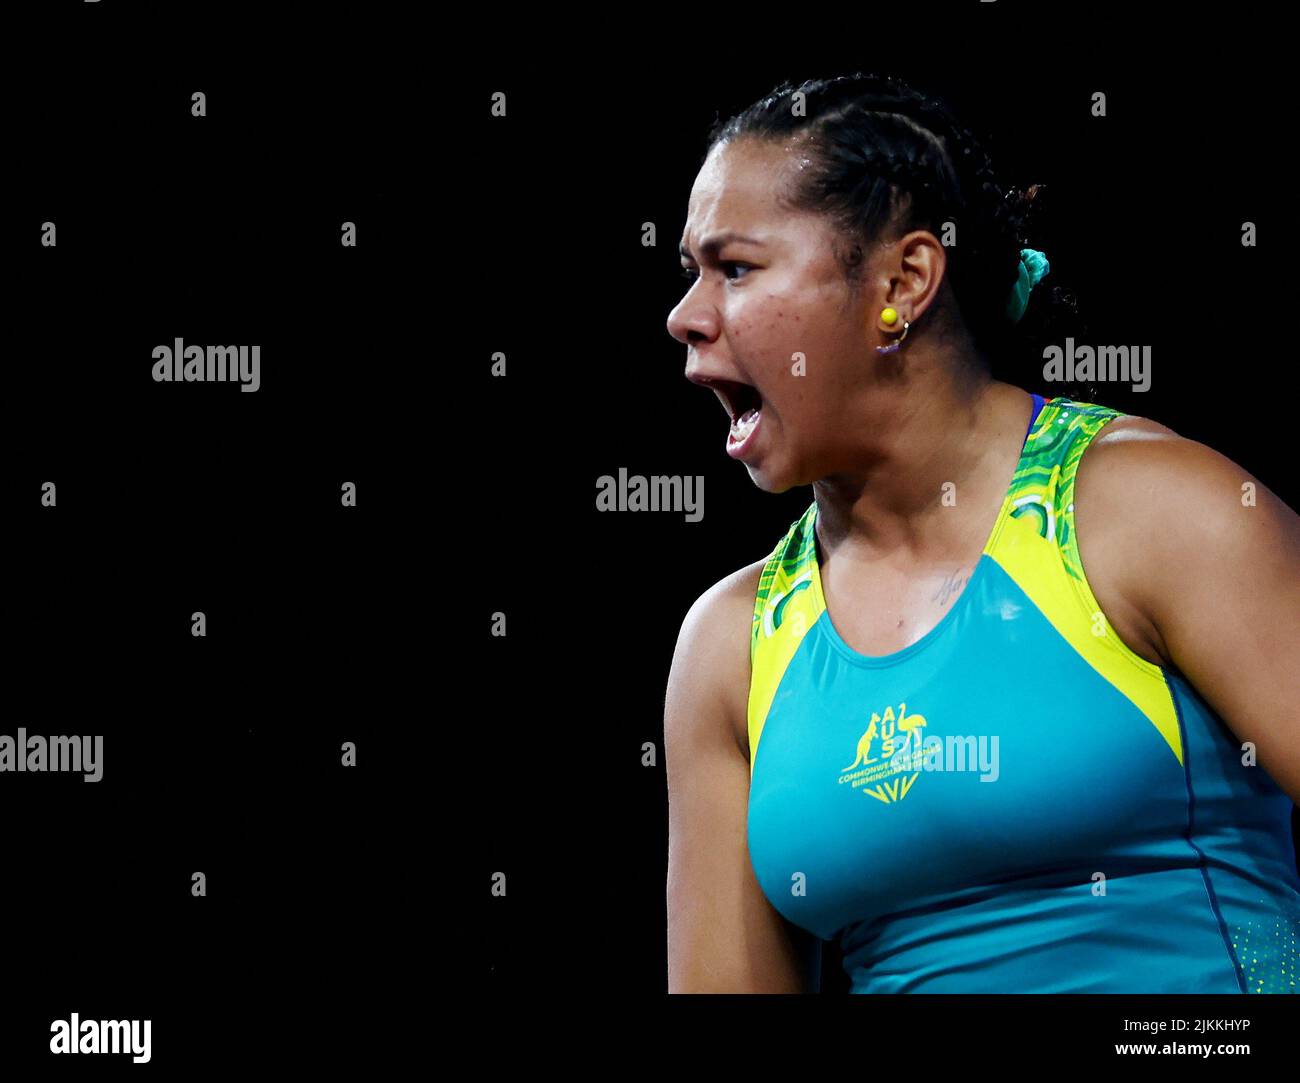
[[769, 483]]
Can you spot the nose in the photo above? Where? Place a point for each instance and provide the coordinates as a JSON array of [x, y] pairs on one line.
[[692, 321]]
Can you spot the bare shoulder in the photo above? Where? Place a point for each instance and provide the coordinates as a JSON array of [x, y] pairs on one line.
[[1127, 463], [1141, 490], [1135, 463], [1132, 429], [712, 653]]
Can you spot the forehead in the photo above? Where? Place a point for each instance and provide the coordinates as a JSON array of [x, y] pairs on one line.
[[739, 187]]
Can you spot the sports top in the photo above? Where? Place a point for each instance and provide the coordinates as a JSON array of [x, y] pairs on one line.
[[1016, 802]]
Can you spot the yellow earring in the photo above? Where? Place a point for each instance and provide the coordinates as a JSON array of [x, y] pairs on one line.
[[889, 316]]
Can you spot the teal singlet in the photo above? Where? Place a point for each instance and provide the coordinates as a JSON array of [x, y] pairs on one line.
[[1017, 802]]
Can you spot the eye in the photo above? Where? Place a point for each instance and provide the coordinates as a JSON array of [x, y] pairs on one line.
[[691, 275]]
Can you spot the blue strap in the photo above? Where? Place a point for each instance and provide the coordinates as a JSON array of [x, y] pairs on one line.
[[1038, 405]]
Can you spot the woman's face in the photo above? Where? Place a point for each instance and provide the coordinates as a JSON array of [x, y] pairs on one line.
[[770, 320]]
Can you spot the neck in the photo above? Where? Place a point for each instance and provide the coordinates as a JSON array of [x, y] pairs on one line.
[[934, 458]]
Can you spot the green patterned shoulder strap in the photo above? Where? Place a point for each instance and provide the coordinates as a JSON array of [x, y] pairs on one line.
[[791, 559], [1043, 486]]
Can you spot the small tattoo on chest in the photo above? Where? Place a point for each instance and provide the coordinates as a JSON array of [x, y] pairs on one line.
[[950, 587]]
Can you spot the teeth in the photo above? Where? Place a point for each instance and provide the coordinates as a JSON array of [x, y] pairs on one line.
[[744, 425]]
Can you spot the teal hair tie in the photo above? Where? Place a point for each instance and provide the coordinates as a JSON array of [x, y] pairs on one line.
[[1033, 266]]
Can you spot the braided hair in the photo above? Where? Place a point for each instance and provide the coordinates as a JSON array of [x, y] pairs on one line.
[[886, 159]]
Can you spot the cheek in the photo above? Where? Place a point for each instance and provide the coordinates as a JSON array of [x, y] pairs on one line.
[[790, 343], [769, 327]]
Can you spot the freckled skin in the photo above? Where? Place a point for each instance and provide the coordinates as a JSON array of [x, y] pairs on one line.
[[833, 418], [734, 318]]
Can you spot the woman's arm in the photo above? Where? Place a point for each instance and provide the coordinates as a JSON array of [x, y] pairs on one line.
[[1211, 558], [723, 934]]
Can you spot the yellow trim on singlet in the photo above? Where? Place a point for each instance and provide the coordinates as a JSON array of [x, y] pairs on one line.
[[1034, 563], [1032, 552]]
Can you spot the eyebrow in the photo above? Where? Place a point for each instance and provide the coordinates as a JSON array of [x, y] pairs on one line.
[[711, 246]]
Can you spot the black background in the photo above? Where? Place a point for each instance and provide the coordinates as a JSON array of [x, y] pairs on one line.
[[221, 754], [347, 909]]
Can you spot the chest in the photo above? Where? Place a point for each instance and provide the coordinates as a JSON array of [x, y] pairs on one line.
[[993, 751], [878, 611]]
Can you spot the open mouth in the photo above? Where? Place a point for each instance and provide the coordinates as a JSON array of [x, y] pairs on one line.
[[743, 405], [741, 402]]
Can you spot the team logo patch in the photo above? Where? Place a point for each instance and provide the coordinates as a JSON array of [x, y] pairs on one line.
[[889, 756]]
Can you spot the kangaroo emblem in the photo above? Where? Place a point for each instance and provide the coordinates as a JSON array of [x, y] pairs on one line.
[[905, 725]]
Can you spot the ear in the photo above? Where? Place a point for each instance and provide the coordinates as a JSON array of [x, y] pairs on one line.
[[915, 273]]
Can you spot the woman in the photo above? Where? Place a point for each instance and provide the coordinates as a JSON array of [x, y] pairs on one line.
[[918, 725]]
